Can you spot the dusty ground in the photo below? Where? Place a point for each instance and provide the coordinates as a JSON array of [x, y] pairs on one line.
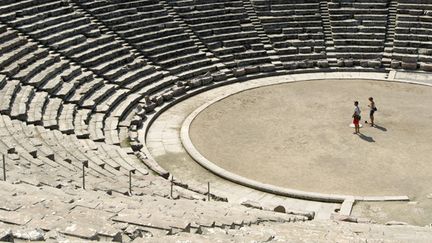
[[296, 135]]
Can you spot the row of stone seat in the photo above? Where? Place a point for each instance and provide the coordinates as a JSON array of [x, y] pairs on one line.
[[73, 34], [359, 27], [56, 100], [411, 45], [39, 212], [322, 231], [35, 155], [294, 28], [38, 79], [225, 28], [164, 42]]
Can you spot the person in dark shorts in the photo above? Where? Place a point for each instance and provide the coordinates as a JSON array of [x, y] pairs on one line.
[[373, 108], [356, 117]]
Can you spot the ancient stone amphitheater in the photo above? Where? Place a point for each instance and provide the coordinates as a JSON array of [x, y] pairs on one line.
[[94, 94]]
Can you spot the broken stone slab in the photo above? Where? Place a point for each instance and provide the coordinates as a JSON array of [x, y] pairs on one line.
[[374, 64], [395, 64], [395, 223], [349, 63], [168, 95], [13, 217], [239, 72], [136, 120], [309, 215], [136, 146], [178, 90], [158, 99], [29, 234], [323, 64], [81, 231], [267, 68], [219, 76], [364, 63], [252, 204], [206, 80], [252, 69], [148, 105], [195, 83], [426, 67], [344, 218], [302, 64]]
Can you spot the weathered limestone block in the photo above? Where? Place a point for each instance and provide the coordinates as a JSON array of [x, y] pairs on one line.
[[408, 59], [158, 100], [301, 64], [219, 76], [136, 146], [310, 64], [239, 72], [168, 95], [148, 105], [409, 65], [415, 12], [374, 64], [349, 63], [195, 83], [423, 51], [29, 234], [364, 63], [206, 80], [252, 69], [426, 67], [139, 111], [323, 64], [290, 65], [340, 63], [267, 68], [136, 120], [178, 90], [395, 64], [280, 209], [305, 49]]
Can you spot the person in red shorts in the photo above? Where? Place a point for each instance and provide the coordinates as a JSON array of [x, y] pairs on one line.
[[356, 116]]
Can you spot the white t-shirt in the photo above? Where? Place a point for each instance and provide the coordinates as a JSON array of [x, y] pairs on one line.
[[357, 111]]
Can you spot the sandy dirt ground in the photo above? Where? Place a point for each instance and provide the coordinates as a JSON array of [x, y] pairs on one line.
[[297, 135]]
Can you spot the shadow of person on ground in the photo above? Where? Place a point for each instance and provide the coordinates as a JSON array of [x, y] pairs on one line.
[[380, 128], [366, 138]]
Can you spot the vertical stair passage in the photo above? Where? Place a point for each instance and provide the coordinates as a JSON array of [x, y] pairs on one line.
[[271, 52], [390, 34], [328, 36]]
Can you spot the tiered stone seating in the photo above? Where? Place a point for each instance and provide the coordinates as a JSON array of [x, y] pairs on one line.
[[43, 82], [73, 72], [309, 231], [149, 27], [36, 155], [412, 48], [226, 30], [58, 25], [295, 30], [57, 215], [358, 30]]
